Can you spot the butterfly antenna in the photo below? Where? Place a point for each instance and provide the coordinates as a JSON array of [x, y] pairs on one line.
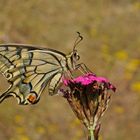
[[78, 40]]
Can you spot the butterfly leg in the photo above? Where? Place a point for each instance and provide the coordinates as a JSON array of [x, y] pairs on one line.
[[83, 68]]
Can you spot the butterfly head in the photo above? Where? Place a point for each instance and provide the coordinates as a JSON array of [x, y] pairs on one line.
[[74, 56]]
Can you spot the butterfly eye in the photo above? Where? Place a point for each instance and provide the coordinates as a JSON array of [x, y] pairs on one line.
[[76, 56]]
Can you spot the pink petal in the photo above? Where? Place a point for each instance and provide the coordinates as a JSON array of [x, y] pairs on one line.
[[88, 79]]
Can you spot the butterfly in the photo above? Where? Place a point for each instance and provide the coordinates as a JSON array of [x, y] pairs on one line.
[[29, 70]]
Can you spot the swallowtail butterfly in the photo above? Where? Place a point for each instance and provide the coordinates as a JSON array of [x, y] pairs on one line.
[[29, 70]]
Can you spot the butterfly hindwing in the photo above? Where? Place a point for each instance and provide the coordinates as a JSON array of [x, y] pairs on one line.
[[28, 70]]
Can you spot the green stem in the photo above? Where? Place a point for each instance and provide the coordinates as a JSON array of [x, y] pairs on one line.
[[91, 134]]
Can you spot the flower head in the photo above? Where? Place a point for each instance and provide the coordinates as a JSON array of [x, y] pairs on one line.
[[88, 97], [88, 79]]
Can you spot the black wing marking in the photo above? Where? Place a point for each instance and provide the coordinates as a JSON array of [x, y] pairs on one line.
[[28, 70]]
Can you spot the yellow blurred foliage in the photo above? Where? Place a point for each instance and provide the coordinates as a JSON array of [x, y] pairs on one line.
[[78, 134], [131, 67], [19, 119], [105, 49], [106, 52], [20, 130], [121, 55], [20, 137], [52, 128], [100, 137], [75, 123], [94, 32], [119, 109], [136, 86], [136, 5], [40, 130], [23, 137]]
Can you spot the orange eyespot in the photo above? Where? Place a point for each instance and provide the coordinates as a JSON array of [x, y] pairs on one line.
[[32, 98]]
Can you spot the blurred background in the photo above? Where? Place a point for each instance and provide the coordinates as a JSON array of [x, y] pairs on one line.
[[111, 48]]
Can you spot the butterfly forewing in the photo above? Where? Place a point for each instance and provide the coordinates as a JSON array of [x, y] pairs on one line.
[[29, 70]]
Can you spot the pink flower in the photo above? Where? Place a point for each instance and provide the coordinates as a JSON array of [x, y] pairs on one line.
[[88, 97], [88, 79]]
